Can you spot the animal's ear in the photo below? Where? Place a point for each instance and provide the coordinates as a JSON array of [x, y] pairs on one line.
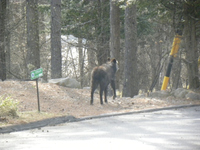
[[113, 60], [108, 59]]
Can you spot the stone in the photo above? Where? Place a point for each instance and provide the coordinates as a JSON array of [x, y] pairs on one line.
[[87, 88], [66, 82], [140, 96], [159, 94], [180, 93], [193, 96]]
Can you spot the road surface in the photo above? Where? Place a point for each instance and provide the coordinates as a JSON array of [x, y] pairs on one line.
[[177, 129]]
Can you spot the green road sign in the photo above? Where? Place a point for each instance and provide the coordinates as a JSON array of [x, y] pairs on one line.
[[36, 73]]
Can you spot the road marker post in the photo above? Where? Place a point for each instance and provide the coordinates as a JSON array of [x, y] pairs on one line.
[[174, 51]]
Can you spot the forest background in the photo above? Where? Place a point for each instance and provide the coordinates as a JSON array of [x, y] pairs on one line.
[[68, 38]]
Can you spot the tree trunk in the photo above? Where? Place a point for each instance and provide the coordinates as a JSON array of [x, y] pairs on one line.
[[191, 53], [103, 37], [115, 36], [44, 48], [130, 84], [81, 60], [176, 74], [56, 58], [7, 42], [33, 52], [91, 58], [2, 38]]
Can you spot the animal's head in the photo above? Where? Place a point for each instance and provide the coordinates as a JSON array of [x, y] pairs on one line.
[[114, 63], [113, 60]]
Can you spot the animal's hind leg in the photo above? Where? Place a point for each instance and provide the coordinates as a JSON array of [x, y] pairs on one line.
[[101, 94], [93, 88], [102, 88]]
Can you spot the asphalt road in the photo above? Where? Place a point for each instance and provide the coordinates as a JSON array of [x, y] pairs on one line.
[[177, 129]]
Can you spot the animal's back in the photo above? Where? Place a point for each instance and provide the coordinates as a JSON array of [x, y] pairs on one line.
[[99, 73]]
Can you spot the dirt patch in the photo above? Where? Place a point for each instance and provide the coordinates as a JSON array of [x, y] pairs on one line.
[[61, 101]]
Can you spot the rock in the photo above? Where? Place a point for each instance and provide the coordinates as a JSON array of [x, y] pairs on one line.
[[87, 88], [66, 82], [140, 96], [184, 93], [180, 93], [159, 94], [193, 96], [42, 80]]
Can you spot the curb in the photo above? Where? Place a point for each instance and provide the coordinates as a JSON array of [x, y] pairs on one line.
[[67, 119], [136, 112], [37, 124]]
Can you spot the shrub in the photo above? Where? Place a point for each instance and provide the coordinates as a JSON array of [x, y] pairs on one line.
[[8, 107]]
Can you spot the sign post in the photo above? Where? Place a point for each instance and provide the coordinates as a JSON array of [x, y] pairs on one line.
[[35, 74]]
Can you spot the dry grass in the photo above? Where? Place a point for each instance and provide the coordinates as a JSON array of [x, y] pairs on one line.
[[61, 101]]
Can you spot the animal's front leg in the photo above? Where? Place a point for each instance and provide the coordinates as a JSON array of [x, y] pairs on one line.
[[105, 94]]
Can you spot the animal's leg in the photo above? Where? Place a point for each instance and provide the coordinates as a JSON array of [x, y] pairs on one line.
[[101, 94], [93, 88], [113, 87], [102, 89], [105, 94]]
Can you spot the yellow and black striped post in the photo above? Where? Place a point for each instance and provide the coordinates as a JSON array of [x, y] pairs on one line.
[[174, 51]]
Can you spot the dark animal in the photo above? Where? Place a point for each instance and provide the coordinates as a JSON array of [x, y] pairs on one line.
[[104, 75]]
